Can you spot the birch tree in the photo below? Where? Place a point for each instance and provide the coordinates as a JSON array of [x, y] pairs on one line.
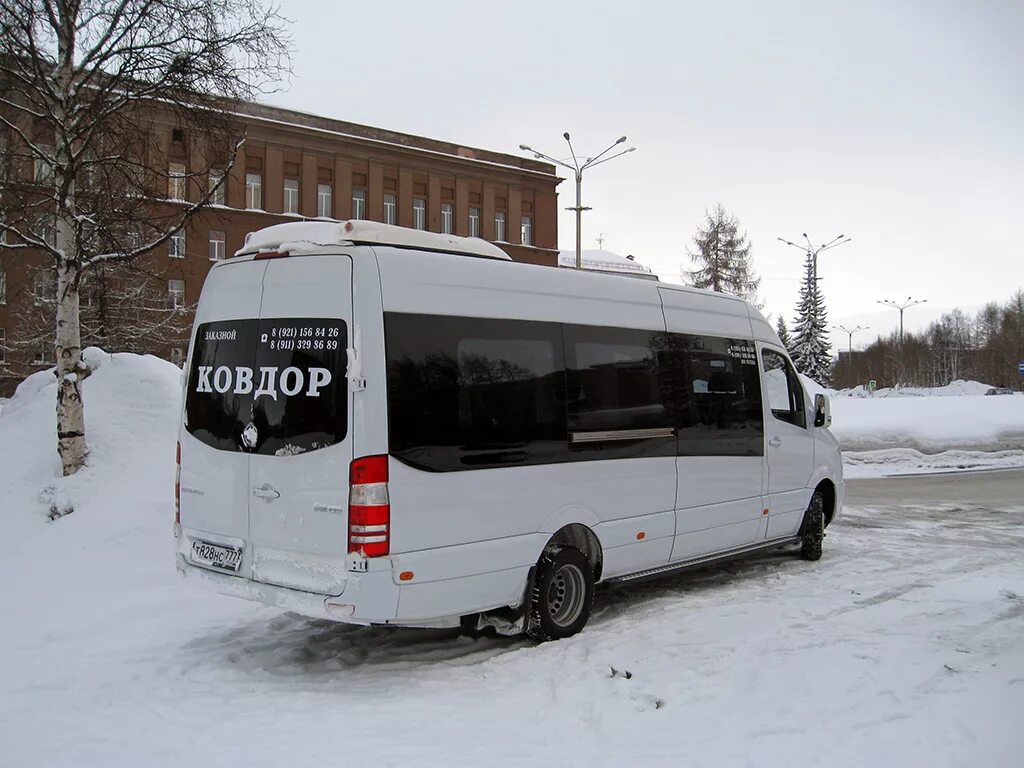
[[82, 84]]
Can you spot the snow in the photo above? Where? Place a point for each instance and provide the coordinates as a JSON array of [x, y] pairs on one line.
[[603, 261], [902, 646]]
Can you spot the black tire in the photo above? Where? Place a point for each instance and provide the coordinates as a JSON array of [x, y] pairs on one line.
[[563, 594], [813, 529]]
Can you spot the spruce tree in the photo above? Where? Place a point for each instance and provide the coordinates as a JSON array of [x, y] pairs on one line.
[[780, 328], [811, 349], [722, 257]]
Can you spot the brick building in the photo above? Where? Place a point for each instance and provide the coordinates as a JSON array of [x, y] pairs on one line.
[[294, 165]]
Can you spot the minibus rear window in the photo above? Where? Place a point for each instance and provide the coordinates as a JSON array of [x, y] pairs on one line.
[[273, 386]]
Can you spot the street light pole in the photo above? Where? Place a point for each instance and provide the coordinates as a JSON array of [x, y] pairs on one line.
[[849, 349], [902, 307], [813, 252], [578, 168]]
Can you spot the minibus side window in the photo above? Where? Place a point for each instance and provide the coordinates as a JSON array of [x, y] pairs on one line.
[[472, 393], [783, 390], [718, 396]]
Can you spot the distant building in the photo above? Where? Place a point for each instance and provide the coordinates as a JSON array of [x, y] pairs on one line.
[[606, 261], [294, 166]]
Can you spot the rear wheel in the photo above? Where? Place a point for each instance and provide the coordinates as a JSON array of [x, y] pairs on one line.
[[563, 594], [813, 531]]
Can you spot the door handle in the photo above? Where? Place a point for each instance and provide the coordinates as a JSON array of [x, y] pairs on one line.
[[266, 492], [775, 442]]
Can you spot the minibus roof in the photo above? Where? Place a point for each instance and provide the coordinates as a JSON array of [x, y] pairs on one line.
[[313, 236]]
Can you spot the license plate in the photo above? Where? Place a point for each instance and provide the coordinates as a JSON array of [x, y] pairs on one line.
[[216, 556]]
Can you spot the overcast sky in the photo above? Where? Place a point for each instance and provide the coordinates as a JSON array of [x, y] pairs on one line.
[[897, 123]]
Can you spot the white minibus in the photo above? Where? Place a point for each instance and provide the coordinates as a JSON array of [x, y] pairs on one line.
[[387, 426]]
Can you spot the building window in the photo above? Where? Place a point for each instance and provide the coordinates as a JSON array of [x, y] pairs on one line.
[[446, 218], [474, 222], [43, 168], [176, 293], [176, 245], [3, 346], [358, 203], [218, 249], [291, 195], [323, 201], [254, 191], [390, 209], [499, 226], [176, 181], [44, 287], [419, 213], [527, 231], [217, 187], [42, 355], [3, 287]]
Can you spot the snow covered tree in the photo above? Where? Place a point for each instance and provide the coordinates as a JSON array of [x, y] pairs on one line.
[[85, 88], [780, 328], [811, 348], [722, 257]]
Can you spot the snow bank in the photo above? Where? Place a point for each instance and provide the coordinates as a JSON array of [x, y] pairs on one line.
[[929, 424], [131, 412], [958, 388]]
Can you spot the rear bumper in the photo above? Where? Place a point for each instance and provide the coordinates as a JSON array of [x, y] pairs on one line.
[[368, 598]]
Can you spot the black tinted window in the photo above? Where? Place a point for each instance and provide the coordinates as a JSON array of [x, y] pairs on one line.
[[718, 397], [272, 386], [615, 389], [470, 393]]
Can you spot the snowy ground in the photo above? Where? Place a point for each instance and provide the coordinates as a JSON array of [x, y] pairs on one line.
[[903, 646]]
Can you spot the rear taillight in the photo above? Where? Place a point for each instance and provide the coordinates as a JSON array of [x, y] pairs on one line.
[[177, 483], [369, 509]]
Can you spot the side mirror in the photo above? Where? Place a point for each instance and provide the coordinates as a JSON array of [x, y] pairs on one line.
[[822, 411]]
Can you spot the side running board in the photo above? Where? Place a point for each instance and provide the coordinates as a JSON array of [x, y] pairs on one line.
[[683, 565]]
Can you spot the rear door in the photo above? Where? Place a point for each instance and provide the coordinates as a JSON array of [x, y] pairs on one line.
[[299, 433], [214, 467]]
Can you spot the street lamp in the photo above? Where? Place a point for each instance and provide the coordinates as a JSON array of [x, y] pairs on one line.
[[578, 168], [902, 307], [849, 349], [813, 252]]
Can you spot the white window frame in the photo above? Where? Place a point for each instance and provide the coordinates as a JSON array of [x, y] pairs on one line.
[[324, 200], [40, 357], [447, 218], [254, 191], [176, 245], [217, 187], [390, 209], [526, 231], [359, 204], [176, 181], [44, 291], [218, 245], [42, 170], [419, 213], [291, 196], [499, 226], [474, 222], [176, 295]]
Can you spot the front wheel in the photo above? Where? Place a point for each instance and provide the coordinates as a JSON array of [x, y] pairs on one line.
[[813, 531], [563, 594]]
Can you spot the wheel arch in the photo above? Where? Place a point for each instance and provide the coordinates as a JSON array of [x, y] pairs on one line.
[[828, 497], [581, 537]]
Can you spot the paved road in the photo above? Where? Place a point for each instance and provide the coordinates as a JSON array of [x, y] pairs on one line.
[[1001, 488]]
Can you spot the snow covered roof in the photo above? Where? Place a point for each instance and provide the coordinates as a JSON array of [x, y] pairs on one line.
[[304, 236], [606, 261]]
